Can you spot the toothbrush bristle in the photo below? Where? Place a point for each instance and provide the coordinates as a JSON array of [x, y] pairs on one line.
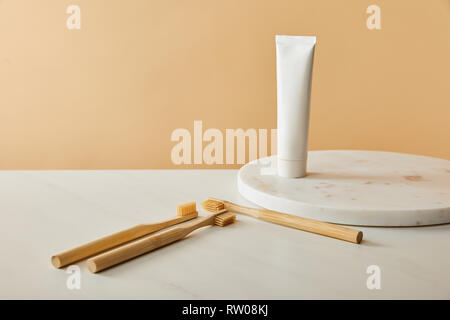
[[213, 205], [186, 208], [224, 219]]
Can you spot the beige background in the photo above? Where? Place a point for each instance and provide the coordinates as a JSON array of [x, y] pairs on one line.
[[110, 95]]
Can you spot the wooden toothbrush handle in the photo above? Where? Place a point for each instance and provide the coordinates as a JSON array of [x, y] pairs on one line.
[[305, 224], [144, 245], [91, 248]]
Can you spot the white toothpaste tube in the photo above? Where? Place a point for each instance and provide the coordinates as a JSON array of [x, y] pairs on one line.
[[294, 69]]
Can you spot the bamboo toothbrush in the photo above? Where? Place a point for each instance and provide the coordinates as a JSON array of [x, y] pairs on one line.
[[152, 242], [288, 220], [186, 211]]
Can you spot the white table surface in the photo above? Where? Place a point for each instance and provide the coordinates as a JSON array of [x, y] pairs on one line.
[[45, 212]]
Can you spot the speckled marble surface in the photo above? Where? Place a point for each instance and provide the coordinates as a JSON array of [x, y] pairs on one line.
[[355, 187], [45, 212]]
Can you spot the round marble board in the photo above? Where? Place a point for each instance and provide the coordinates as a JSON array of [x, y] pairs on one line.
[[367, 188]]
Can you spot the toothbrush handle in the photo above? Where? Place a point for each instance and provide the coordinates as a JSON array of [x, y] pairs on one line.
[[305, 224], [91, 248], [314, 226], [144, 245]]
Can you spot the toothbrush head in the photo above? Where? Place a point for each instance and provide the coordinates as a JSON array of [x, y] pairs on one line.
[[224, 219], [213, 205], [186, 209]]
